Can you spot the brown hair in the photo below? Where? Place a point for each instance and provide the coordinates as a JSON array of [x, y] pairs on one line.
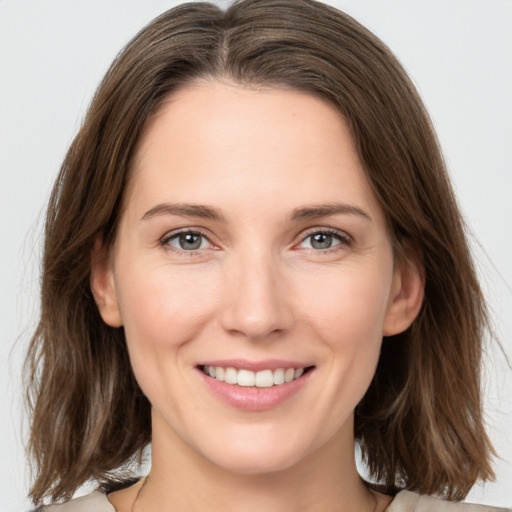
[[420, 423]]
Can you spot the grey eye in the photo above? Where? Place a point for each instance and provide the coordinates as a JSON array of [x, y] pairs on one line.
[[188, 241], [322, 240]]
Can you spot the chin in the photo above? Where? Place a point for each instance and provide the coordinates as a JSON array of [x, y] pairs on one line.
[[257, 455], [256, 464]]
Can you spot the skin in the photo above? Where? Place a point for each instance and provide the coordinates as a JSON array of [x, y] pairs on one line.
[[257, 288]]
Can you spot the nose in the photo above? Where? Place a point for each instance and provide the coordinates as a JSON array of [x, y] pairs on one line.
[[257, 301]]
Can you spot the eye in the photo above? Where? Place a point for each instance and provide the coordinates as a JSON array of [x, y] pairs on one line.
[[187, 241], [324, 240]]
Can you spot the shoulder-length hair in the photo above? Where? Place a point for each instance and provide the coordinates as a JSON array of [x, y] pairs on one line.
[[420, 424]]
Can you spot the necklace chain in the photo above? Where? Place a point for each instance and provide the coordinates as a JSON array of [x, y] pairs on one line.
[[146, 478]]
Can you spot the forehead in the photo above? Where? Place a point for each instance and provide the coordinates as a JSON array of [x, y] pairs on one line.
[[216, 141]]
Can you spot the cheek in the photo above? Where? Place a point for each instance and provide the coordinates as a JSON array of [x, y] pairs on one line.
[[350, 306], [164, 308], [348, 316]]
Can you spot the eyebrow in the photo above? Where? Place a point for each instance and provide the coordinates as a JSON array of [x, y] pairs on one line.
[[325, 210], [184, 210], [208, 212]]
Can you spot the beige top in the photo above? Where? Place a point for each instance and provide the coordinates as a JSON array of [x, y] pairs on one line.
[[404, 501]]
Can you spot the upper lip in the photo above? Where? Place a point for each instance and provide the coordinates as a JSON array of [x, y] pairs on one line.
[[255, 366]]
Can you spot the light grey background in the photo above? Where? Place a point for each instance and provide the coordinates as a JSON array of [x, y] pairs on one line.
[[54, 52]]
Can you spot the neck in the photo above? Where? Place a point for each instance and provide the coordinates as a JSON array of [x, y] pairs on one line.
[[181, 479]]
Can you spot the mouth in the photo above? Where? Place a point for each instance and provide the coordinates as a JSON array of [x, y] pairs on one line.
[[265, 378]]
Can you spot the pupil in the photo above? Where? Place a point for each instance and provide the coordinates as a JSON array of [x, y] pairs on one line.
[[190, 241], [321, 241]]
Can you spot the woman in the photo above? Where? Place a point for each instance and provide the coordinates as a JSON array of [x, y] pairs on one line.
[[255, 201]]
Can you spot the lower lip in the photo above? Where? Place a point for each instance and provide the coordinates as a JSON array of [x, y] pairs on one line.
[[252, 398]]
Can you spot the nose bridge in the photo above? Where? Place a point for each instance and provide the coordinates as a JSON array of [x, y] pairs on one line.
[[256, 304]]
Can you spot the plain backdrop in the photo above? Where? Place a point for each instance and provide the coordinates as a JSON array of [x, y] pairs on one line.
[[53, 54]]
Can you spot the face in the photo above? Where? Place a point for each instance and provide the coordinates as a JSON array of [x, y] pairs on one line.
[[254, 276]]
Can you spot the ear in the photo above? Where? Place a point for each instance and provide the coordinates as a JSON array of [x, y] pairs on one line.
[[103, 284], [407, 293]]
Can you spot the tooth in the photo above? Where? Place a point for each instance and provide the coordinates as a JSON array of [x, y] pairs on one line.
[[264, 379], [278, 376], [219, 373], [231, 376], [289, 374], [245, 378]]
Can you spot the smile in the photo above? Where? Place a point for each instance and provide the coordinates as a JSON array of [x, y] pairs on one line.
[[254, 386], [247, 378]]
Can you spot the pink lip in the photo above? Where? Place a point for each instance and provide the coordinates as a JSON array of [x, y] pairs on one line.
[[252, 398], [255, 366]]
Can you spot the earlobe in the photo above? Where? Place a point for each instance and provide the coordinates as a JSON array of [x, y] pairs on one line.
[[406, 296], [103, 285]]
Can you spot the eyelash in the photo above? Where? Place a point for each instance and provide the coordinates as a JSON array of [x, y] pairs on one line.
[[164, 242], [343, 238]]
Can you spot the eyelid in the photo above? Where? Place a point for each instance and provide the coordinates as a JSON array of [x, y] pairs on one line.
[[164, 240], [344, 238]]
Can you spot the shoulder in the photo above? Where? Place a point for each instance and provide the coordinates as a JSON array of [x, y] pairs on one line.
[[406, 501], [94, 502]]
